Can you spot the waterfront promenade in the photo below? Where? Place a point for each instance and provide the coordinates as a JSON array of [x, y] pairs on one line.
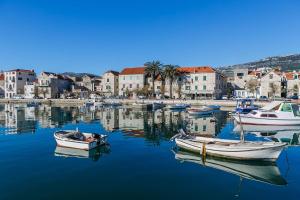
[[79, 102]]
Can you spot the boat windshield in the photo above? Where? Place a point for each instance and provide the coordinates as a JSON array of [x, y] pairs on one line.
[[296, 110], [244, 103], [286, 107]]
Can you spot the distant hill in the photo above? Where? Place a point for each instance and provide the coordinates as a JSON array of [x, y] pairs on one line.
[[286, 63], [78, 74]]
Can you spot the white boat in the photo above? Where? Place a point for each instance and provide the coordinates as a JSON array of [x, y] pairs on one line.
[[178, 106], [284, 114], [233, 149], [157, 105], [79, 140], [266, 172], [204, 110], [142, 106]]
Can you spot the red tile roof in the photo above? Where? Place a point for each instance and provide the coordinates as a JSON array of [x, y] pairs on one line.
[[199, 69], [134, 70], [2, 77]]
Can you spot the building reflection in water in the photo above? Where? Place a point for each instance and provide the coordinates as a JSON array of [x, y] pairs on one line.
[[154, 126]]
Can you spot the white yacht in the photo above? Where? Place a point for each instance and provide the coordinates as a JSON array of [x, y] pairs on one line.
[[280, 114]]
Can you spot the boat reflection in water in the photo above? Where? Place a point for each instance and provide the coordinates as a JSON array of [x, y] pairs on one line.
[[266, 172], [287, 134], [93, 154]]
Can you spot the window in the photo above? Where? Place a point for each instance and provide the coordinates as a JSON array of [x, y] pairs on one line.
[[196, 127], [123, 85], [158, 87], [204, 78], [270, 76], [19, 78], [272, 115], [196, 87], [107, 80], [240, 74], [263, 115], [27, 79], [130, 85], [124, 78], [204, 87], [204, 127], [196, 78], [187, 87], [137, 85]]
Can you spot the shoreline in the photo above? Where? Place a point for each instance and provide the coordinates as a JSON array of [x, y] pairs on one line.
[[79, 102]]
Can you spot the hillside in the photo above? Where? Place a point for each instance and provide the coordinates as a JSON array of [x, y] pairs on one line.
[[286, 63]]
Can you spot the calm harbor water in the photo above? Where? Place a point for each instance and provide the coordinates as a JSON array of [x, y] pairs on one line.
[[140, 162]]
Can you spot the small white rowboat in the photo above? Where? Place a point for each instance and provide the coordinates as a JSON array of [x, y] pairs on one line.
[[233, 149], [78, 140]]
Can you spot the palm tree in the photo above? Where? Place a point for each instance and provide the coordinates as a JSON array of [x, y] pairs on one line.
[[171, 72], [153, 69]]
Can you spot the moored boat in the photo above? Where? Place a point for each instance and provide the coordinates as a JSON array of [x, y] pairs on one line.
[[232, 149], [245, 106], [204, 110], [285, 114], [157, 105], [178, 106], [79, 140]]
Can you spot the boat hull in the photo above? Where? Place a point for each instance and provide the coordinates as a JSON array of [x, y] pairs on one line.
[[251, 152], [84, 145], [265, 121]]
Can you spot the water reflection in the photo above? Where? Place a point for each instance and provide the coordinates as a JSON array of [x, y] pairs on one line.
[[288, 134], [93, 154], [266, 172], [153, 126]]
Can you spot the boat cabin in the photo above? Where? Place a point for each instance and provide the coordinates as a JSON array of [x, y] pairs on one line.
[[245, 106], [289, 108], [284, 110]]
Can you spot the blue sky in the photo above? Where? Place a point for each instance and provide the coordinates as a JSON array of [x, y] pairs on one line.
[[94, 36]]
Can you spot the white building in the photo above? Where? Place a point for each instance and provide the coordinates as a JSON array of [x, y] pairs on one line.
[[30, 90], [110, 83], [273, 84], [15, 80], [293, 83], [52, 85], [203, 82], [130, 80]]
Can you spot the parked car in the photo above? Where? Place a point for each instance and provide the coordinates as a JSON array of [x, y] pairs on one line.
[[263, 98], [224, 97]]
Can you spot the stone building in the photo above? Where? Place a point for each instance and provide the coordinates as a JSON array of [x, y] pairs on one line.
[[52, 85], [110, 83], [130, 80], [15, 80]]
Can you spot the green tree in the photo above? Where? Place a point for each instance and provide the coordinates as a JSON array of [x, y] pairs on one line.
[[153, 69], [171, 72]]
